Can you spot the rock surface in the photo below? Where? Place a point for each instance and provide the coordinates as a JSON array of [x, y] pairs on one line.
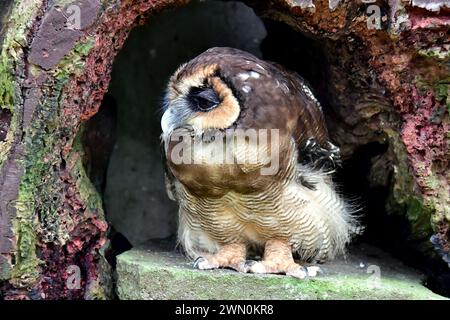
[[145, 273]]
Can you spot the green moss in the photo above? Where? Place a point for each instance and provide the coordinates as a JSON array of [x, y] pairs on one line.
[[25, 268], [438, 52], [6, 144], [402, 200], [12, 49], [83, 48], [99, 289], [38, 191], [62, 3], [88, 192], [419, 214], [40, 141], [37, 194], [74, 62], [440, 87], [7, 88], [442, 90]]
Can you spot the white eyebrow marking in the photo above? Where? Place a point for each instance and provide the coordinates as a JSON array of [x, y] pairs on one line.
[[243, 76], [254, 74], [259, 66], [285, 88], [278, 84], [246, 89], [308, 92]]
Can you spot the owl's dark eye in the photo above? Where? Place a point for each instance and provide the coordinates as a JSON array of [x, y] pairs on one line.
[[203, 99]]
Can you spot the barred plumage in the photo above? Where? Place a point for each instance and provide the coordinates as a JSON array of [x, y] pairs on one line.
[[233, 206]]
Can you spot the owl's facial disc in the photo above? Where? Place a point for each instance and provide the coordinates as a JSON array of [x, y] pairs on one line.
[[203, 99], [220, 107]]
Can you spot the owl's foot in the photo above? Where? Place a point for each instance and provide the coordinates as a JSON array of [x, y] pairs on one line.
[[278, 259], [294, 270], [229, 256]]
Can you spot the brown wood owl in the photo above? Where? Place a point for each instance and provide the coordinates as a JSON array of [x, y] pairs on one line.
[[228, 117]]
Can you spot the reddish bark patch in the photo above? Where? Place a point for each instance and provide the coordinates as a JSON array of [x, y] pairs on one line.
[[422, 18], [424, 136], [80, 252]]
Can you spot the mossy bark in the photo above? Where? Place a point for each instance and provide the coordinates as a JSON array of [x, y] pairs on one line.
[[53, 78], [389, 84]]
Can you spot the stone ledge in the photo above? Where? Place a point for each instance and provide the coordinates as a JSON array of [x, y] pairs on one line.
[[144, 273]]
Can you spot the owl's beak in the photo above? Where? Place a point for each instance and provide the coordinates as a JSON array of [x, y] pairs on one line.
[[174, 118], [167, 121]]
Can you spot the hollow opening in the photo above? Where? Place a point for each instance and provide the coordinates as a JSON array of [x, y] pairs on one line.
[[123, 142]]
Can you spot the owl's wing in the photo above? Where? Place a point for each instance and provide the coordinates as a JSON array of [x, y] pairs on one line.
[[314, 145], [327, 159], [169, 178]]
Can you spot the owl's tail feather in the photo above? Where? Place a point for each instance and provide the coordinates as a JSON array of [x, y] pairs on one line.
[[336, 219]]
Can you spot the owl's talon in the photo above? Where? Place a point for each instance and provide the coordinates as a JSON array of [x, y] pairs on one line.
[[258, 267], [241, 266], [248, 265], [299, 272], [278, 259], [296, 271], [313, 271], [302, 272], [202, 263], [229, 256], [197, 261]]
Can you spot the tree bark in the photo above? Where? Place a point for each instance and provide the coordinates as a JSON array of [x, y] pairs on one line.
[[390, 83]]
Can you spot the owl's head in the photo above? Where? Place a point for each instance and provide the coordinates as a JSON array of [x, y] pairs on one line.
[[226, 88], [203, 92]]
